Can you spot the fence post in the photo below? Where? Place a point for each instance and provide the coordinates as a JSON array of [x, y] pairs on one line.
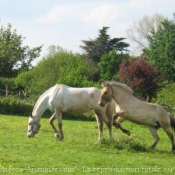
[[19, 94], [6, 91]]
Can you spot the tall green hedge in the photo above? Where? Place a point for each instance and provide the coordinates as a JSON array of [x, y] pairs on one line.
[[15, 106], [166, 97]]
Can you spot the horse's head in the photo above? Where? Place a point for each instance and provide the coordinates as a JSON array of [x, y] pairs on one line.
[[106, 94], [33, 126]]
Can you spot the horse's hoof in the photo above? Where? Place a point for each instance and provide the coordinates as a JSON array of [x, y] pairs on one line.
[[151, 148], [57, 136], [97, 142], [58, 139], [128, 133]]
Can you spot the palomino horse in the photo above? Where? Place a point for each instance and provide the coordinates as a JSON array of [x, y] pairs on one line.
[[62, 98], [137, 111]]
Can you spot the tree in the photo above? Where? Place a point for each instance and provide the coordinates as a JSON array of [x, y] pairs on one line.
[[139, 31], [144, 78], [94, 49], [109, 65], [161, 51], [166, 97], [13, 56], [59, 66]]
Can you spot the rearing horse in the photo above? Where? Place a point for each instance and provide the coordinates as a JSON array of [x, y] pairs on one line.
[[62, 98], [137, 111]]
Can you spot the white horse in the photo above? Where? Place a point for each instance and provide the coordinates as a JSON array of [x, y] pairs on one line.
[[62, 98], [137, 111]]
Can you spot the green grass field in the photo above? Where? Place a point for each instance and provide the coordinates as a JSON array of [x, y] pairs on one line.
[[78, 154]]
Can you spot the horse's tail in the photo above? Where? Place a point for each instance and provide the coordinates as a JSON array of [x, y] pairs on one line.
[[172, 122]]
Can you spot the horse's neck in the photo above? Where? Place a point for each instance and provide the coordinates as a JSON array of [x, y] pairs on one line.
[[40, 106], [121, 96]]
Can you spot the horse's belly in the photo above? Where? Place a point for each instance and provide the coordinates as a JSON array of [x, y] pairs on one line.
[[77, 109], [140, 119]]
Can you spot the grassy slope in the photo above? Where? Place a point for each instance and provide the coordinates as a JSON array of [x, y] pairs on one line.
[[78, 154]]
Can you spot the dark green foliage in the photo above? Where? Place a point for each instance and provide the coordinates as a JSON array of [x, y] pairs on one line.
[[13, 56], [61, 67], [109, 65], [10, 82], [96, 48], [166, 97], [15, 106], [161, 49]]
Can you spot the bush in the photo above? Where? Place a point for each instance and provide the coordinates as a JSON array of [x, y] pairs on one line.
[[166, 97], [61, 67], [15, 106], [144, 78]]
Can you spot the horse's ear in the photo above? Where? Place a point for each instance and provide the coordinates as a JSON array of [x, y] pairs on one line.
[[103, 84]]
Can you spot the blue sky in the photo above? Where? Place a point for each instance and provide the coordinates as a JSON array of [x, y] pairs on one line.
[[67, 22]]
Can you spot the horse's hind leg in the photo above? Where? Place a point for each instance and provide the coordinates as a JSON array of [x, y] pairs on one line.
[[155, 135], [171, 136]]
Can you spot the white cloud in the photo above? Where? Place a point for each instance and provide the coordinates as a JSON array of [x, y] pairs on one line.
[[150, 3], [102, 14], [56, 14], [66, 23]]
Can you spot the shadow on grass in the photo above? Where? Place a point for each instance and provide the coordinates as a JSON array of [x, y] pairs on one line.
[[125, 143], [132, 144]]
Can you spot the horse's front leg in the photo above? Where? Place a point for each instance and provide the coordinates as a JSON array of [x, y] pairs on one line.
[[61, 134], [118, 124], [100, 127], [51, 120]]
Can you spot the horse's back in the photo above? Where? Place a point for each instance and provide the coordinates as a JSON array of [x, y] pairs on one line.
[[146, 113], [75, 100]]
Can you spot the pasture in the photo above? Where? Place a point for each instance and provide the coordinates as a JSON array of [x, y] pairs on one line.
[[77, 154]]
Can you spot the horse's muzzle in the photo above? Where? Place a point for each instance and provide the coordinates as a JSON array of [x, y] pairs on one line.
[[101, 104]]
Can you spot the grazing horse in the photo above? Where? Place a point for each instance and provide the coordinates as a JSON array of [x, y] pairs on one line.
[[62, 98], [137, 111]]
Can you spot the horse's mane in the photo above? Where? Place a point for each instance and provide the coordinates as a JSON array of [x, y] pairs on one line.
[[42, 95], [121, 86]]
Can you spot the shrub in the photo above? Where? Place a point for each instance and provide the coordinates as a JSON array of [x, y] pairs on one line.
[[166, 97], [61, 67], [144, 78], [15, 106]]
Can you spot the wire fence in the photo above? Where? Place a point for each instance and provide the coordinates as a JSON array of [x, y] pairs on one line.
[[5, 93]]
